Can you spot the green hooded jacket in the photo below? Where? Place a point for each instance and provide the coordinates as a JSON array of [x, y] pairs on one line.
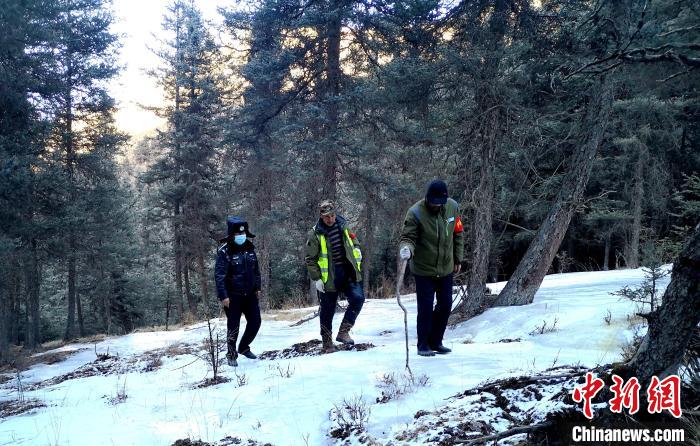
[[313, 250], [436, 241]]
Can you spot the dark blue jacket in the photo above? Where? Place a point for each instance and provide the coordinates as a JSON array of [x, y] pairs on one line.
[[237, 271]]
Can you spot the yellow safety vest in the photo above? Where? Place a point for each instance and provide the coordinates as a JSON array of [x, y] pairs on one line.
[[323, 256]]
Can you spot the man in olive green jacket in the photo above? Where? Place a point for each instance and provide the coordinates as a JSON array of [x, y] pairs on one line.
[[433, 239], [334, 262]]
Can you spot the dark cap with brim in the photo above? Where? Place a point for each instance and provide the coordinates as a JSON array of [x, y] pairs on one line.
[[437, 192]]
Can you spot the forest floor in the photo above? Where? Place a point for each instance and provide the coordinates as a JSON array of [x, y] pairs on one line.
[[153, 388]]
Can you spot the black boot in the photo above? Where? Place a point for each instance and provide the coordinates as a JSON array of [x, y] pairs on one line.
[[231, 359], [441, 349], [248, 354]]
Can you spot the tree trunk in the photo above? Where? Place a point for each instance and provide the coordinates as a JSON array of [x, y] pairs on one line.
[[15, 309], [4, 324], [69, 149], [106, 305], [8, 330], [107, 299], [264, 265], [16, 303], [33, 280], [70, 320], [262, 208], [191, 302], [176, 220], [491, 135], [606, 255], [637, 199], [367, 244], [528, 276], [482, 234], [8, 314], [203, 278], [178, 265], [167, 308], [79, 308], [672, 324]]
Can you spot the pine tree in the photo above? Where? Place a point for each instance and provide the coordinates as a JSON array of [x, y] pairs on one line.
[[260, 158], [85, 49], [26, 63], [395, 137], [483, 53], [187, 173], [602, 39], [108, 243]]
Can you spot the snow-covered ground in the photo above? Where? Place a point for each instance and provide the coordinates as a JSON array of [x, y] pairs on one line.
[[289, 401]]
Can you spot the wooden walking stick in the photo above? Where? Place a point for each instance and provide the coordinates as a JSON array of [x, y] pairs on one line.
[[401, 269]]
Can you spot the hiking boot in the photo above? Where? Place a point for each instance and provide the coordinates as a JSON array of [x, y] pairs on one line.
[[441, 349], [426, 353], [248, 354], [231, 360], [328, 346], [344, 334]]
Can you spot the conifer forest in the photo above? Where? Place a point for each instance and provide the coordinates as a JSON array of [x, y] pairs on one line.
[[568, 131]]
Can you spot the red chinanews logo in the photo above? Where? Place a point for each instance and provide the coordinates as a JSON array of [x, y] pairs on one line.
[[662, 395]]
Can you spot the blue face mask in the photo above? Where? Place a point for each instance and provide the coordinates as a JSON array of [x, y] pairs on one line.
[[239, 239]]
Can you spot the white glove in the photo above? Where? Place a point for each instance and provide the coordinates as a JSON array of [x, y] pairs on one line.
[[405, 252], [319, 285]]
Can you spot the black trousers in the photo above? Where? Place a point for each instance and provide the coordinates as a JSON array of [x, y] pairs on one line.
[[249, 307], [432, 322], [353, 292]]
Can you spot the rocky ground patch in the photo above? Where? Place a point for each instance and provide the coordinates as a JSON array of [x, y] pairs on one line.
[[16, 407], [226, 441], [106, 364], [310, 348]]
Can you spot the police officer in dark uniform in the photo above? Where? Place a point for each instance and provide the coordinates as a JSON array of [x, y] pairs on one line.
[[238, 287]]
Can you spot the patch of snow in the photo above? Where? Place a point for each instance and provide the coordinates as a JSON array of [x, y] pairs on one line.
[[289, 401]]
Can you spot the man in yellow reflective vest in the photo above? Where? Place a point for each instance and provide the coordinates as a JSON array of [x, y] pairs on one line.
[[334, 261]]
